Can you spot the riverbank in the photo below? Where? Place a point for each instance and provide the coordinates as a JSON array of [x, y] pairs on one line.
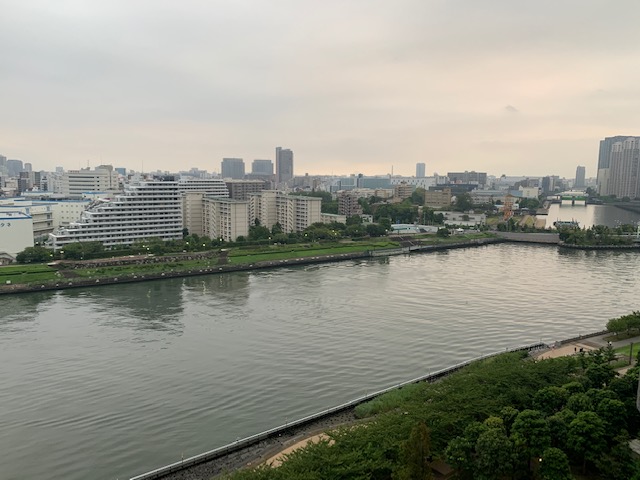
[[142, 269], [635, 247]]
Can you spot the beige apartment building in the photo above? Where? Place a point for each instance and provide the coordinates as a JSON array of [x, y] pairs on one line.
[[437, 198], [294, 213], [225, 218]]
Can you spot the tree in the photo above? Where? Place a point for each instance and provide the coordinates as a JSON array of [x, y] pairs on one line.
[[258, 232], [464, 202], [354, 220], [34, 255], [443, 232], [554, 465], [494, 454], [375, 230], [586, 437], [531, 432], [417, 197], [550, 399], [276, 229], [416, 453]]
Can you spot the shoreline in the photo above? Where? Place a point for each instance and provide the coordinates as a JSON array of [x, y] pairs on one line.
[[227, 268]]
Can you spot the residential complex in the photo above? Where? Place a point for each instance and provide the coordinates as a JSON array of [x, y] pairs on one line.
[[146, 209], [616, 156], [348, 204], [225, 218], [624, 169]]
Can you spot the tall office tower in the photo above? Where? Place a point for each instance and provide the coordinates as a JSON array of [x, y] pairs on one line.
[[284, 165], [604, 161], [3, 165], [624, 168], [232, 168], [579, 183], [262, 167], [28, 167], [421, 170]]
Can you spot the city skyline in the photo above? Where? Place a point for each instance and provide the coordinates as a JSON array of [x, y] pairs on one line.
[[498, 87]]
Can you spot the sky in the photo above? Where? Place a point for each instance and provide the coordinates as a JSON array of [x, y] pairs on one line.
[[351, 86]]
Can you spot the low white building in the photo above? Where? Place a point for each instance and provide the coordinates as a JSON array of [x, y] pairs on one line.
[[16, 232]]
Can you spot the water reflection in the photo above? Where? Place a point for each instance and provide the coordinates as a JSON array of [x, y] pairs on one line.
[[590, 215], [144, 306], [228, 287], [19, 311]]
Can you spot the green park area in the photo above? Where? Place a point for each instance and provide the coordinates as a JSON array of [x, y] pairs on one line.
[[63, 270]]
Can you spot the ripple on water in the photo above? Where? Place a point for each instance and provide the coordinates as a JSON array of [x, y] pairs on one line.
[[108, 382]]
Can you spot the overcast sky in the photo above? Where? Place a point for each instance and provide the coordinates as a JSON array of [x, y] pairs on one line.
[[503, 86]]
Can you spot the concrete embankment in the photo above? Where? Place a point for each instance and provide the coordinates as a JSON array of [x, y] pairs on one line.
[[80, 282], [635, 247], [539, 238]]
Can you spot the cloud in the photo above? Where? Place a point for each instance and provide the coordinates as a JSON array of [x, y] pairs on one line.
[[349, 86]]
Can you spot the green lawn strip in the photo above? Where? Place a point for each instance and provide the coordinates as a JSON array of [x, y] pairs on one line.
[[625, 350], [20, 274], [298, 254]]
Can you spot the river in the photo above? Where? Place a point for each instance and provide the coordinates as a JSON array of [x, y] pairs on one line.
[[589, 215], [109, 382]]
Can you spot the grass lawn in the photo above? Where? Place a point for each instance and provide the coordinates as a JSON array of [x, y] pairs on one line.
[[242, 257], [625, 350], [26, 274]]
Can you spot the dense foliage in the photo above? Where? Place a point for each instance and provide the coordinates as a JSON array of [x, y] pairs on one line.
[[597, 235], [506, 417]]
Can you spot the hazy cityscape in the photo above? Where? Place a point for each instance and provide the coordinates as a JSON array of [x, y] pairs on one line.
[[334, 240]]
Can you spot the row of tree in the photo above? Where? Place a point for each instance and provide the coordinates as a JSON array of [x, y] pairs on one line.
[[629, 324], [597, 235]]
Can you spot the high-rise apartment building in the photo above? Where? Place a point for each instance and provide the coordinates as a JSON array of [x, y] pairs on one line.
[[348, 204], [284, 165], [421, 170], [262, 167], [604, 162], [225, 218], [580, 177], [146, 209], [624, 168], [232, 168]]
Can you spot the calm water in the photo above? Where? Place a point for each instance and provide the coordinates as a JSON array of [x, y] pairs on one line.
[[590, 215], [109, 382]]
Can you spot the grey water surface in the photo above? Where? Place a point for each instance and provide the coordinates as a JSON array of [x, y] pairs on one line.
[[109, 382]]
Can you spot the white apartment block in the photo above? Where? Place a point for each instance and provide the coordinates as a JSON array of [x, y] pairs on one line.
[[76, 182], [294, 213], [211, 186], [225, 218], [146, 209]]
